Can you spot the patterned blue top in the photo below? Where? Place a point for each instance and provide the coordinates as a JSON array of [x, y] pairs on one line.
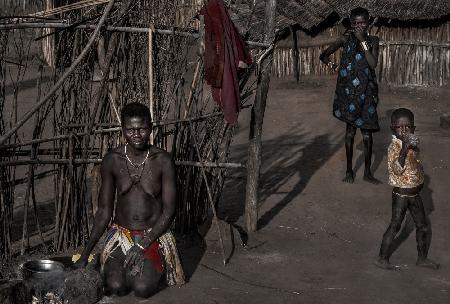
[[356, 97]]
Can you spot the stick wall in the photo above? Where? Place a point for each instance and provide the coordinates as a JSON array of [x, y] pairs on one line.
[[409, 55]]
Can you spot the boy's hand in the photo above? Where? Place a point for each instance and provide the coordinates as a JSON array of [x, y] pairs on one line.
[[413, 140], [410, 141]]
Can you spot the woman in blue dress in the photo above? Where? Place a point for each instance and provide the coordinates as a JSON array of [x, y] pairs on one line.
[[356, 98]]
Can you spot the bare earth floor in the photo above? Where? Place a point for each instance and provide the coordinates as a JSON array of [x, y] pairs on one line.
[[319, 237]]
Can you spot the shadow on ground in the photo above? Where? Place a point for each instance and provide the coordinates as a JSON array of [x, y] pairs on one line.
[[293, 157]]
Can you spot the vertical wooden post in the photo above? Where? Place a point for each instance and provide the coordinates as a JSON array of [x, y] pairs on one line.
[[150, 79], [256, 123], [48, 43], [295, 53]]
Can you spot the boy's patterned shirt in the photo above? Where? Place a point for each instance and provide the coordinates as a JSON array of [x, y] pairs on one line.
[[409, 176]]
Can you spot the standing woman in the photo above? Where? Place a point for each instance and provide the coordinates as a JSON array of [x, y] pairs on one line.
[[356, 98]]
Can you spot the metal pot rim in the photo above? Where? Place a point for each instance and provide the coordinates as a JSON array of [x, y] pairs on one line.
[[56, 266]]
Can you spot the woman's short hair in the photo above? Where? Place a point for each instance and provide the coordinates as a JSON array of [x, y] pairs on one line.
[[135, 109], [359, 11]]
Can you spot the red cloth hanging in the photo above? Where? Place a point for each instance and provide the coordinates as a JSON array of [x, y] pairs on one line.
[[225, 53]]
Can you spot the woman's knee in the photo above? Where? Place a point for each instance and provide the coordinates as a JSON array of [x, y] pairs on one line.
[[145, 289], [349, 135], [115, 286]]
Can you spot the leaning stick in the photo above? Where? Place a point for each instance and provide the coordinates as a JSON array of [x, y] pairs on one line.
[[213, 208], [67, 195], [202, 168], [63, 78], [197, 72]]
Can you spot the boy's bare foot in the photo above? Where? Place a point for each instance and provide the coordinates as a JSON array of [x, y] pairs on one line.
[[384, 264], [427, 263], [370, 179], [349, 177]]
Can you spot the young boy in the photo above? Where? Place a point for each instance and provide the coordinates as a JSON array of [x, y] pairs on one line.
[[406, 175], [356, 98]]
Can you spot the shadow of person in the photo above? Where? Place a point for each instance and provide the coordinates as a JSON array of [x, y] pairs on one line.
[[409, 225], [305, 163]]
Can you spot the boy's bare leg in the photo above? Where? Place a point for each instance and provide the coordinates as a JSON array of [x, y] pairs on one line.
[[368, 143], [399, 207], [417, 212], [349, 139]]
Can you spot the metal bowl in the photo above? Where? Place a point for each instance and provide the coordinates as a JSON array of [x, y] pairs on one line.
[[41, 269]]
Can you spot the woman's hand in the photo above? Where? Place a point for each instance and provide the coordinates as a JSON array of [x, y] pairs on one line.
[[134, 256], [333, 66], [81, 262]]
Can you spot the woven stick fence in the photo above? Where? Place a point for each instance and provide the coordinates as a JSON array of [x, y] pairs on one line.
[[411, 54], [74, 129], [21, 5]]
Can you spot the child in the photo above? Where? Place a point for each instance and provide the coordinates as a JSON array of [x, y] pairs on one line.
[[406, 175], [356, 97]]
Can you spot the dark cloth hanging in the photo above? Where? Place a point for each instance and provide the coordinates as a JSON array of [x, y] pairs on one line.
[[225, 55], [356, 97]]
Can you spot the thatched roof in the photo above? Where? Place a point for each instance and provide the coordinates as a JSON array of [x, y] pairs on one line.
[[396, 9], [310, 13]]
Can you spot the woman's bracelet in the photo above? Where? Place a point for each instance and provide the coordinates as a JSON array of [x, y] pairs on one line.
[[365, 45]]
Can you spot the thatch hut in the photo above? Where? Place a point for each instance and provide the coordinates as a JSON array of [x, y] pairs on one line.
[[148, 59], [414, 36], [150, 53]]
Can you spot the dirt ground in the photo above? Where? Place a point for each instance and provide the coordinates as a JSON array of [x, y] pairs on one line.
[[319, 237]]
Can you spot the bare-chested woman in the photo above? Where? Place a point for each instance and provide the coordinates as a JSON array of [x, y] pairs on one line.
[[143, 176]]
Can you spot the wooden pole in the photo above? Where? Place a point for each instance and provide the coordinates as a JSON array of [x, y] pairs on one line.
[[256, 123], [295, 54], [151, 103]]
